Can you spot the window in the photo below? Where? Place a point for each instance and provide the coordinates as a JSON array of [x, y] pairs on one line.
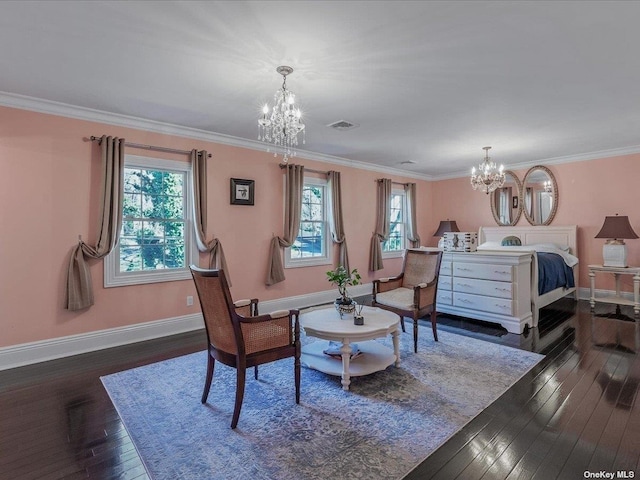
[[312, 245], [395, 245], [156, 239]]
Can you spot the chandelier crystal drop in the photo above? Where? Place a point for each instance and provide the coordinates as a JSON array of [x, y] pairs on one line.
[[488, 177], [282, 126]]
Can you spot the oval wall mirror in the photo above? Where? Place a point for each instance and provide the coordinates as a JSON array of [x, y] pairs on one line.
[[506, 202], [539, 195]]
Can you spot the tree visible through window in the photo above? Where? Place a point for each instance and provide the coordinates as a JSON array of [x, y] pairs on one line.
[[153, 226], [397, 235], [156, 244], [311, 245]]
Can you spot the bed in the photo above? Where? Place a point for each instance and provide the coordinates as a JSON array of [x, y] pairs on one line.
[[564, 236]]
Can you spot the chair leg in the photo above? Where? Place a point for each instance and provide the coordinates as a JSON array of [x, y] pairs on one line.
[[296, 368], [255, 372], [241, 375], [434, 325], [402, 322], [207, 384], [415, 335]]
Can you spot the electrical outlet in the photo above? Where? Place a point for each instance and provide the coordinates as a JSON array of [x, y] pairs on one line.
[[189, 301]]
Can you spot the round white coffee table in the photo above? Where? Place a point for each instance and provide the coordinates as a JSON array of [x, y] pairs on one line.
[[325, 323]]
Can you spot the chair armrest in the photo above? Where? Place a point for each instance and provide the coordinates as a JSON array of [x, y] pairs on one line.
[[386, 284], [246, 307], [424, 294], [282, 324]]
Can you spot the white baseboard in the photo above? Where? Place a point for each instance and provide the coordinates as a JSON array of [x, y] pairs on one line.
[[51, 349], [41, 351]]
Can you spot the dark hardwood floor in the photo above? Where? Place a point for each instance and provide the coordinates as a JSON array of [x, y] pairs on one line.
[[577, 411]]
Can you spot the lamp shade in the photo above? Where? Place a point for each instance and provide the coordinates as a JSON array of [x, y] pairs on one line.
[[450, 226], [616, 227]]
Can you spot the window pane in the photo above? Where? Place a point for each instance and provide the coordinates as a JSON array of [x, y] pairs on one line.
[[310, 241], [153, 227], [152, 257], [130, 258], [396, 239]]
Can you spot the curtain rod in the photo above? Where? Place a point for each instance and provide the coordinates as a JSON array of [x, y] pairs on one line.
[[149, 147], [378, 180], [284, 165]]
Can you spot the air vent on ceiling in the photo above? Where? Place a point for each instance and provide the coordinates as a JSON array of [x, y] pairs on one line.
[[342, 125]]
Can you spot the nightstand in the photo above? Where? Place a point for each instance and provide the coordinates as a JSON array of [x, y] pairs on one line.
[[618, 299]]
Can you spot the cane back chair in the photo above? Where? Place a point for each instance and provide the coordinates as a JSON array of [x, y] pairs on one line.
[[239, 337]]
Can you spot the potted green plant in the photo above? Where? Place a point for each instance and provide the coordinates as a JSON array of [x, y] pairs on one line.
[[343, 278]]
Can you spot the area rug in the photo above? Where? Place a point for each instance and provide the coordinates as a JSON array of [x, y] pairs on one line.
[[385, 425]]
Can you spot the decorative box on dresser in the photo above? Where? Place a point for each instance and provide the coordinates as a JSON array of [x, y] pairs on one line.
[[489, 286]]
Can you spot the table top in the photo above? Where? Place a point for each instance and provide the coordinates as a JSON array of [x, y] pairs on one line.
[[326, 323]]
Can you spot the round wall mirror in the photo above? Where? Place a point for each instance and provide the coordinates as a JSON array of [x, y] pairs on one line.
[[539, 195], [506, 202]]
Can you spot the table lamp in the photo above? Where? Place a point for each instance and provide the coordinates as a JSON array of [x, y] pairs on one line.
[[614, 251], [446, 226]]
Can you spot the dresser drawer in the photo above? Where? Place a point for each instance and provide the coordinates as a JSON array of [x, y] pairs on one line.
[[445, 268], [444, 298], [489, 288], [483, 271], [486, 304], [444, 282]]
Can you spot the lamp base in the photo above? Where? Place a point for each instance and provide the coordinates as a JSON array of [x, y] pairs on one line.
[[614, 255]]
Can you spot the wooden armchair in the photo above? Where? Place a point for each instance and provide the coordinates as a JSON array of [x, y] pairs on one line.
[[239, 337], [413, 292]]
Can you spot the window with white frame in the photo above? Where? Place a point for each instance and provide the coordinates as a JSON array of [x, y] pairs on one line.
[[156, 241], [396, 243], [312, 245]]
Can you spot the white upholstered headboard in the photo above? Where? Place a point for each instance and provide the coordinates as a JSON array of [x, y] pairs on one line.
[[562, 235]]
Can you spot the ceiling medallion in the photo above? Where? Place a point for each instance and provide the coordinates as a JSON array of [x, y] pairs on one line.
[[489, 176], [282, 126]]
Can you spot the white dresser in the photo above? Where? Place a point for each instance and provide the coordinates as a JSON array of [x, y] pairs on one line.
[[490, 286]]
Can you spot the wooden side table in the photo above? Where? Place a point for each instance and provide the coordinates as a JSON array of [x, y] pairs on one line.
[[617, 299]]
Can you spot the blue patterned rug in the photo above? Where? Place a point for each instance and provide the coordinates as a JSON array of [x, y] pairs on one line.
[[381, 429]]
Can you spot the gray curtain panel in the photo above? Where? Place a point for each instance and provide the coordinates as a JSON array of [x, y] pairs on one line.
[[214, 247], [79, 291], [383, 211], [412, 225], [336, 223], [293, 203]]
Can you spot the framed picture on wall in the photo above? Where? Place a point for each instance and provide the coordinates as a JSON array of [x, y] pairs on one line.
[[515, 202], [242, 191]]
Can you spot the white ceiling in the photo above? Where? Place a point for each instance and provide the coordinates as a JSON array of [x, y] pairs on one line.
[[429, 82]]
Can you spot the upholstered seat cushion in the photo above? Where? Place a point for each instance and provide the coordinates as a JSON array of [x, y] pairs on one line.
[[397, 298]]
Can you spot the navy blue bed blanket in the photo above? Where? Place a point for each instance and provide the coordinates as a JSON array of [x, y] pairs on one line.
[[553, 273]]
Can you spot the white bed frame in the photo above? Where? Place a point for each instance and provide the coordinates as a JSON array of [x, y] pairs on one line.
[[561, 235]]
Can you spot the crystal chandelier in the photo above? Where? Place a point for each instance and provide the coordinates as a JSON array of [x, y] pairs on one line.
[[489, 176], [283, 125]]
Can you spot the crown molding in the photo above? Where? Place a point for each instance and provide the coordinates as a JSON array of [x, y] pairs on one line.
[[39, 105], [580, 157], [24, 102]]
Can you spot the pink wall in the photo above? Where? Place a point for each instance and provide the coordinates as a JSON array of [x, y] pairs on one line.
[[588, 191], [50, 178]]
